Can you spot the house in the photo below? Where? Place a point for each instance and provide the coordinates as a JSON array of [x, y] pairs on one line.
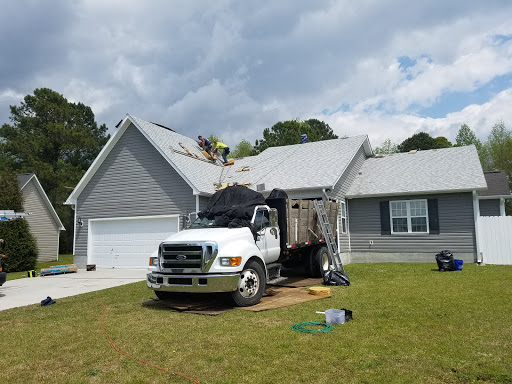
[[492, 201], [410, 206], [43, 221], [148, 176]]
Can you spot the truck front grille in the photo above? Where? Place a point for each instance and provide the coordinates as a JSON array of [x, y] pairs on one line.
[[181, 256]]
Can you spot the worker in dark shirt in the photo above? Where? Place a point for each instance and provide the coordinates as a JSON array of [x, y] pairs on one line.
[[205, 144]]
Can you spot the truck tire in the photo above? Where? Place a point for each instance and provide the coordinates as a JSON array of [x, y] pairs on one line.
[[319, 262], [163, 295], [250, 286]]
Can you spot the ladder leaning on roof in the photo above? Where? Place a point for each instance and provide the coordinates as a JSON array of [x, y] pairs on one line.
[[332, 249]]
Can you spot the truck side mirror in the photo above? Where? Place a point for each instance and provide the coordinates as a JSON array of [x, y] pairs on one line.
[[273, 217]]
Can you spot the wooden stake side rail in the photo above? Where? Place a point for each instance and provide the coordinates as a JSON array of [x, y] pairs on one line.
[[302, 221]]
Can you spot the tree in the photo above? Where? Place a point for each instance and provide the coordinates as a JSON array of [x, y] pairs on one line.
[[420, 140], [443, 142], [20, 244], [499, 148], [466, 136], [55, 139], [242, 149], [387, 148], [290, 131], [498, 154]]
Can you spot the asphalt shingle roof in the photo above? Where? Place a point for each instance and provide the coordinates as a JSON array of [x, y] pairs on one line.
[[23, 178], [497, 182], [310, 165], [447, 170]]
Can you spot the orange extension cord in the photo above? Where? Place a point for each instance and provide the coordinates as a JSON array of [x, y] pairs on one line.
[[127, 355]]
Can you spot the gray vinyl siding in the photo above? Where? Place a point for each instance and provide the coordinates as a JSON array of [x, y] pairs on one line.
[[490, 207], [342, 185], [42, 223], [203, 202], [456, 223], [133, 180], [341, 188]]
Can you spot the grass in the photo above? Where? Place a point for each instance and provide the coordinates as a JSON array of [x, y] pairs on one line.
[[63, 259], [411, 324]]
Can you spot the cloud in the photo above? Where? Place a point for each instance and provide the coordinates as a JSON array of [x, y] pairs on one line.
[[233, 68]]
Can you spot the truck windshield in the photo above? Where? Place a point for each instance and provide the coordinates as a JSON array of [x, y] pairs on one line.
[[203, 223]]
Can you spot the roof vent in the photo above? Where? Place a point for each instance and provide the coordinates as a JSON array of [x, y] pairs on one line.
[[379, 155], [413, 151], [260, 187]]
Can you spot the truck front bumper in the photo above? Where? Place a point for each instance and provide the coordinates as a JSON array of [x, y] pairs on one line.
[[192, 283]]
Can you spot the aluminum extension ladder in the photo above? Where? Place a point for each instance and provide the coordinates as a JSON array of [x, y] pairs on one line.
[[332, 249]]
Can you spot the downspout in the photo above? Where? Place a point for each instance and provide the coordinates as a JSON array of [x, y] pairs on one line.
[[502, 206], [325, 197], [476, 215]]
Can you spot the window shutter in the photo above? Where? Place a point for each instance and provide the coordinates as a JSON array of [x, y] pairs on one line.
[[385, 224], [433, 217]]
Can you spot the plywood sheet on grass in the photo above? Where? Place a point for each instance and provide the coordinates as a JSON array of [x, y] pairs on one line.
[[283, 297]]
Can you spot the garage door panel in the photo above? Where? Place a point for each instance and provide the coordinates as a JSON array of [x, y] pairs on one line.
[[128, 242]]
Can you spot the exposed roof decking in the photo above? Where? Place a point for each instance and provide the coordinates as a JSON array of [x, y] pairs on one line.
[[438, 170]]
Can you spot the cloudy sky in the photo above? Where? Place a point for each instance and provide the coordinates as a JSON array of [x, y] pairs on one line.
[[388, 69]]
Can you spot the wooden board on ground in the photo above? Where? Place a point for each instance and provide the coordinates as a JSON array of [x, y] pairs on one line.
[[283, 297], [214, 304], [58, 269], [299, 281], [200, 304]]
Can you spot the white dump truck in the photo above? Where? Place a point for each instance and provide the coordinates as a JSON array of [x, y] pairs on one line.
[[238, 245]]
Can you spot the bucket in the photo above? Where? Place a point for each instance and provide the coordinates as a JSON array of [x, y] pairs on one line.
[[335, 316], [458, 264]]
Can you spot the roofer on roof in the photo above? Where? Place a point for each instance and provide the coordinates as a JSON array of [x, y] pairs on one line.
[[225, 149], [205, 144]]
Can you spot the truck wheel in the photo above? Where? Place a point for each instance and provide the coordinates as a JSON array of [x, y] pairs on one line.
[[163, 295], [250, 286], [319, 262]]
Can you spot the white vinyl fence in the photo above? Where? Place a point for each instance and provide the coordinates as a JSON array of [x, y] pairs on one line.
[[496, 239]]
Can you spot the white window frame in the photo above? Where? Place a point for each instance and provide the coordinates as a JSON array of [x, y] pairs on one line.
[[409, 224], [343, 208]]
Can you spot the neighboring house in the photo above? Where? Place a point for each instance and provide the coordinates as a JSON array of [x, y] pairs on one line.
[[147, 176], [492, 201], [43, 221]]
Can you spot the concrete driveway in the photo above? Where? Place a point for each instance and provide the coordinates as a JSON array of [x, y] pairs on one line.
[[26, 291]]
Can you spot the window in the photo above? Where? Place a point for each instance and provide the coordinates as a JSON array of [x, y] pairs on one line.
[[343, 213], [409, 216], [261, 220]]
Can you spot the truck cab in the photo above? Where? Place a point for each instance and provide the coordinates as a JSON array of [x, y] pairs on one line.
[[208, 257]]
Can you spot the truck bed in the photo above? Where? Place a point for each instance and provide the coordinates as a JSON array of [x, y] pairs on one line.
[[302, 221]]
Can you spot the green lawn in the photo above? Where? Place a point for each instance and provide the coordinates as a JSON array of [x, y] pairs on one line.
[[63, 259], [411, 324]]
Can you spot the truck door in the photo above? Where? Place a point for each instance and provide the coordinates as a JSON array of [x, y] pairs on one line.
[[268, 235]]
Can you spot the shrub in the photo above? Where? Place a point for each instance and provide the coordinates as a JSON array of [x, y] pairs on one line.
[[20, 244]]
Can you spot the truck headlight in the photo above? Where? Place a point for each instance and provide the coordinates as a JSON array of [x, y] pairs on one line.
[[230, 261], [153, 261]]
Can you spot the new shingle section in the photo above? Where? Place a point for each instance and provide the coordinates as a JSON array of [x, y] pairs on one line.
[[497, 183], [311, 165], [446, 170]]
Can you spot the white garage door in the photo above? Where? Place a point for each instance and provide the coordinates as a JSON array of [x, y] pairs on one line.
[[128, 243]]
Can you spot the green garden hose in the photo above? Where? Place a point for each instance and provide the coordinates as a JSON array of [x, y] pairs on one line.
[[303, 327]]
